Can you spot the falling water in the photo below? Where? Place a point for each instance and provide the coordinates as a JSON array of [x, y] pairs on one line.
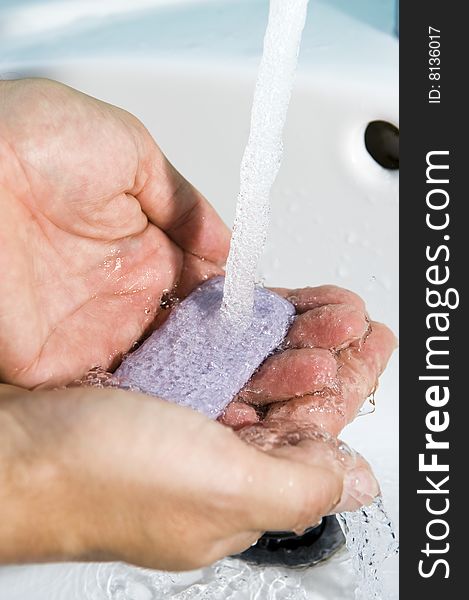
[[372, 544], [263, 154]]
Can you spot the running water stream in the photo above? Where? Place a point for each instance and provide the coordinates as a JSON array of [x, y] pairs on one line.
[[263, 155], [372, 544]]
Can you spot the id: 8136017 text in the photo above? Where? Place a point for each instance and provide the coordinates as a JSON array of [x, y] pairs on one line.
[[434, 65]]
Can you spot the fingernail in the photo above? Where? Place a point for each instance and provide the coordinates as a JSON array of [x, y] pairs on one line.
[[360, 489]]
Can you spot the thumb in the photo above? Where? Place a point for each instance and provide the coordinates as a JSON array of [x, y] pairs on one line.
[[292, 487], [180, 210]]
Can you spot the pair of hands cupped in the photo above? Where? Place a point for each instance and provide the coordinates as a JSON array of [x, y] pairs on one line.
[[96, 227]]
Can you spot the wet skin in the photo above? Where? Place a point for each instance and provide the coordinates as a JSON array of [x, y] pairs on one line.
[[332, 358], [96, 227]]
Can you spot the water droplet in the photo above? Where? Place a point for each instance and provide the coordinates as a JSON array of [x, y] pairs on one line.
[[342, 272], [352, 237], [369, 406]]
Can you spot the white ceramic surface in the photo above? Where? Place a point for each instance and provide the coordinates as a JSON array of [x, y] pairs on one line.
[[334, 210]]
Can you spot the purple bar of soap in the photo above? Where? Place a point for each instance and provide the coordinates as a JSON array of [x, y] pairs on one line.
[[196, 359]]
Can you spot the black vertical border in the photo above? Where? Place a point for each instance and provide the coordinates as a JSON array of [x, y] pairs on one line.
[[426, 127]]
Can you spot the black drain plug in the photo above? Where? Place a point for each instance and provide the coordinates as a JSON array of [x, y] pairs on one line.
[[285, 548]]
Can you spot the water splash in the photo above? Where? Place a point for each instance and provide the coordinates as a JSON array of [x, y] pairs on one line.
[[96, 377], [263, 155], [372, 544], [229, 579]]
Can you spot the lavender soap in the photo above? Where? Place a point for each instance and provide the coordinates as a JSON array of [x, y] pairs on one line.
[[197, 359]]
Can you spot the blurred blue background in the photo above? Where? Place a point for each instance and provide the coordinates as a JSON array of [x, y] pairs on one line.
[[38, 30]]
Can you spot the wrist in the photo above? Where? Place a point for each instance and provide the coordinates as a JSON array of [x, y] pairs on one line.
[[41, 515]]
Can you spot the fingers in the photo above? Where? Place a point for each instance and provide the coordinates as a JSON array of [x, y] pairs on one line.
[[239, 414], [312, 297], [292, 488], [359, 487], [331, 326], [358, 372], [291, 373], [287, 494], [325, 412], [359, 368], [174, 205], [194, 272], [312, 392], [373, 355]]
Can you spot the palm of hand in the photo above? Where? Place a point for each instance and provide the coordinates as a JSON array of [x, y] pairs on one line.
[[97, 225]]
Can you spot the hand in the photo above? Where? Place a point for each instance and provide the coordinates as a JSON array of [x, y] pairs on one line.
[[332, 359], [90, 474], [96, 226]]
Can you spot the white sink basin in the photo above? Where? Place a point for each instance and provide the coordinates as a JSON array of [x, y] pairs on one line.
[[334, 210]]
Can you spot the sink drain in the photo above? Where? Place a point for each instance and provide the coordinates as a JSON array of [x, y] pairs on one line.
[[291, 550], [382, 143]]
